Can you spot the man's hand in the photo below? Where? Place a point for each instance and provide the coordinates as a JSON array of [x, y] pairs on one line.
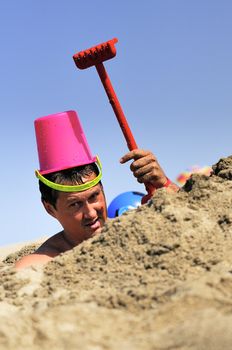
[[145, 167]]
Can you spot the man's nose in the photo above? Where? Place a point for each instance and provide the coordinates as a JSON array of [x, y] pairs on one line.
[[89, 211]]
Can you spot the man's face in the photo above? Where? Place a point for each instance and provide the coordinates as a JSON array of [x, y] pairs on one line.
[[82, 214]]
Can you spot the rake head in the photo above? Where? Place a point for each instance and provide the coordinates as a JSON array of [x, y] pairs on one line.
[[96, 54]]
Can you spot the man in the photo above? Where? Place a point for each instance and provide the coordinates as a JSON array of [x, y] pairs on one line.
[[75, 197]]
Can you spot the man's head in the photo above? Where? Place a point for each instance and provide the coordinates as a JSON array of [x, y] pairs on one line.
[[82, 214]]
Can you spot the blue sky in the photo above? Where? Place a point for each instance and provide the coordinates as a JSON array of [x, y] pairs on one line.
[[172, 74]]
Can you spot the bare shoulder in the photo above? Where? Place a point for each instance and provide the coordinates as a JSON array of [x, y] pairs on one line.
[[32, 259], [52, 247]]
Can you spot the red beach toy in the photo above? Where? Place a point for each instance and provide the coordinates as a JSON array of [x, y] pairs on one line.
[[94, 57]]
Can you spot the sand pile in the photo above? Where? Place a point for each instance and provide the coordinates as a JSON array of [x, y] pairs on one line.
[[159, 277]]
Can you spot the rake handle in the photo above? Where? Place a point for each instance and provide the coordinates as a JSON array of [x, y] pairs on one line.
[[116, 106], [121, 119]]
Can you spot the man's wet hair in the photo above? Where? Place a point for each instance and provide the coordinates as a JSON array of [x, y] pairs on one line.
[[71, 176]]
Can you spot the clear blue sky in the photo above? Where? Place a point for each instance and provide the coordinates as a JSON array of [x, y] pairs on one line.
[[172, 75]]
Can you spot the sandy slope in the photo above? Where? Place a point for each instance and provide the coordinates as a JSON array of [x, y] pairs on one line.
[[15, 247], [159, 277]]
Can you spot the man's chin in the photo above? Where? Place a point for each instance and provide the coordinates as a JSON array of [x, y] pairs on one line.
[[97, 231]]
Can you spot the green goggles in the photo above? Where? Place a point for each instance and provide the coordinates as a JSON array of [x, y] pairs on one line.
[[72, 188]]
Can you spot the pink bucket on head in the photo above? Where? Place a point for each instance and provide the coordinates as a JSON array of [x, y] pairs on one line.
[[61, 142]]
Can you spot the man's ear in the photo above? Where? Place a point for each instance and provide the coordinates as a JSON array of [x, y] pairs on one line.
[[49, 208]]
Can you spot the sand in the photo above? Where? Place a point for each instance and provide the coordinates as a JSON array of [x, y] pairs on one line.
[[157, 278], [8, 250]]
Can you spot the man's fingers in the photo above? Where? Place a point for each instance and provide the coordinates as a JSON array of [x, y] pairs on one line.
[[141, 162], [144, 178], [135, 154], [148, 168], [145, 167]]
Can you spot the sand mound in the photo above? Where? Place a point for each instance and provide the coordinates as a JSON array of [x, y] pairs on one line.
[[159, 277]]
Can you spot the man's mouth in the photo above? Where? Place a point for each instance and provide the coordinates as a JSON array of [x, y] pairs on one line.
[[94, 225]]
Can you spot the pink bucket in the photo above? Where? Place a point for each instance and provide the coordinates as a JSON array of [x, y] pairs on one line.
[[61, 142]]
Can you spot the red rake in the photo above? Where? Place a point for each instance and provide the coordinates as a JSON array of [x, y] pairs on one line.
[[94, 57]]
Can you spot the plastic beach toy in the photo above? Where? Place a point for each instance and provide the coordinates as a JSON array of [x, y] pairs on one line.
[[123, 202], [95, 56], [61, 142], [185, 175]]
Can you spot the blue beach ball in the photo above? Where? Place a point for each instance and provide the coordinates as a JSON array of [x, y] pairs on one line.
[[123, 202]]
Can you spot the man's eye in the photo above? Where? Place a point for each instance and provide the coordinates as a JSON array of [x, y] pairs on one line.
[[75, 204], [94, 195]]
